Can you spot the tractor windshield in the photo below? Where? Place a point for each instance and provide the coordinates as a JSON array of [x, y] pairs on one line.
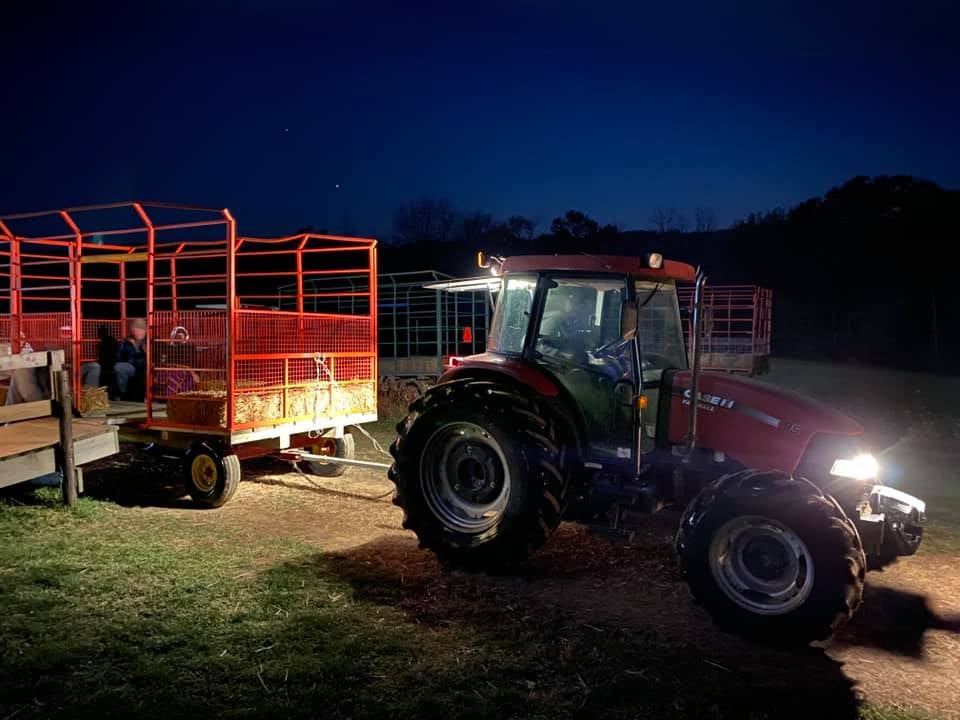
[[512, 317], [660, 330]]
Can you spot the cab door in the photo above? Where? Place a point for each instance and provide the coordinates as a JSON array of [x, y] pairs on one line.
[[580, 342]]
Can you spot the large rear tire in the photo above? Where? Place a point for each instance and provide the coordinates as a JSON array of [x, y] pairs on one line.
[[771, 558], [480, 472]]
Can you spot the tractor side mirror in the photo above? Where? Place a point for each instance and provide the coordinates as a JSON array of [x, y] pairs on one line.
[[629, 317]]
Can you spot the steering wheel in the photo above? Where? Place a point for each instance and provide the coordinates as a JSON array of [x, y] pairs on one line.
[[607, 355], [614, 344]]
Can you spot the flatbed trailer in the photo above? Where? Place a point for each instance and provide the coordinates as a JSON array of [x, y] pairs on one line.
[[228, 373], [40, 437]]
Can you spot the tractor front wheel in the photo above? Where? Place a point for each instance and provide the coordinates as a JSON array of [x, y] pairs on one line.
[[771, 557], [480, 473], [211, 476]]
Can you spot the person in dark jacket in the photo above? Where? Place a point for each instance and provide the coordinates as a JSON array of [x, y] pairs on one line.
[[131, 364]]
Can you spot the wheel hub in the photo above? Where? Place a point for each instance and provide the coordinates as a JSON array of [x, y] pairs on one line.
[[327, 447], [203, 472], [761, 565], [765, 559], [476, 472], [465, 477]]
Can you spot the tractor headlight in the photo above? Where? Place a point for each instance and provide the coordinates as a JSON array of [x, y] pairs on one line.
[[862, 467]]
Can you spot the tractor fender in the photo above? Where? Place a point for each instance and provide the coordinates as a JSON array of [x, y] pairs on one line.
[[503, 366], [750, 483], [526, 379], [745, 484]]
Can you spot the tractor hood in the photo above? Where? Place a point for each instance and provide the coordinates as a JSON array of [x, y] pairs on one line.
[[760, 425]]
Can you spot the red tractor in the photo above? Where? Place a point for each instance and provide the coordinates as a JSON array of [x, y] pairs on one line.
[[582, 409]]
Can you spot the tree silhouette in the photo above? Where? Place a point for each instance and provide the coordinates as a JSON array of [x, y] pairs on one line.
[[668, 220], [424, 219], [705, 220]]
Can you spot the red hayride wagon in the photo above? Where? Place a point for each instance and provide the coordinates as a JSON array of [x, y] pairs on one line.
[[229, 369]]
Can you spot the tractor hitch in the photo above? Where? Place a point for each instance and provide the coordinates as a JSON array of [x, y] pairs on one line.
[[294, 455]]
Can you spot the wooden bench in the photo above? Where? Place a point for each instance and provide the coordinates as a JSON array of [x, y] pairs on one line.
[[37, 438]]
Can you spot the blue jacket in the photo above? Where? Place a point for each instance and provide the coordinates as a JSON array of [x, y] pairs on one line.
[[130, 353]]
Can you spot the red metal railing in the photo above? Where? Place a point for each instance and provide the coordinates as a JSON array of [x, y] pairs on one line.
[[737, 321], [215, 330]]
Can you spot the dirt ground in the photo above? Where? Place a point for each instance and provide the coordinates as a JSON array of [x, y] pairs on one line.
[[902, 649]]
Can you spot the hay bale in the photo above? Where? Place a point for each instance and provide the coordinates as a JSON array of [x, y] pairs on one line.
[[209, 407], [308, 402], [397, 394], [206, 408], [93, 399], [354, 398], [258, 407]]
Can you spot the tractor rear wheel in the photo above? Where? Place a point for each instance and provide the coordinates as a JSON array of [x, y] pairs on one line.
[[771, 557], [480, 472]]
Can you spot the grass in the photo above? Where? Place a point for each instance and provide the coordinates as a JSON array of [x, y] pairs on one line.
[[891, 404], [112, 613], [942, 531], [892, 713], [115, 612]]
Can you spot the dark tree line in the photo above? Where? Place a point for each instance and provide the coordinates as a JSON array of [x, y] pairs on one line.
[[432, 221], [861, 273]]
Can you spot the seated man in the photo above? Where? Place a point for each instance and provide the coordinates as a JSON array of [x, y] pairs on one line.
[[565, 329], [131, 364]]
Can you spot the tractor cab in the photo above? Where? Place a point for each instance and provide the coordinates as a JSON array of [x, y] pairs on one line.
[[604, 330]]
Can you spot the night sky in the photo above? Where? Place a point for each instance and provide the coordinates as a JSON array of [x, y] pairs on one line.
[[511, 107]]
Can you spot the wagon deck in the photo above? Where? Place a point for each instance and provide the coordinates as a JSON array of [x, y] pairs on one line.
[[130, 420], [28, 449]]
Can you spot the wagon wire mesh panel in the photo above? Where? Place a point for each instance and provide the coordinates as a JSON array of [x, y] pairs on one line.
[[276, 371]]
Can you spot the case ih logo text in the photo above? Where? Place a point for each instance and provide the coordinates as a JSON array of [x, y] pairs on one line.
[[707, 399]]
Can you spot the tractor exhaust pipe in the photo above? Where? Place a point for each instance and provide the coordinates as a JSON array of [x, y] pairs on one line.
[[696, 349]]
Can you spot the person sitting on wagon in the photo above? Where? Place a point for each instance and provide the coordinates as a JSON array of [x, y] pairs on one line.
[[131, 364], [100, 372]]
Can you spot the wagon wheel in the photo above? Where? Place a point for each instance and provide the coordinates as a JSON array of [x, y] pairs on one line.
[[210, 475], [334, 447]]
